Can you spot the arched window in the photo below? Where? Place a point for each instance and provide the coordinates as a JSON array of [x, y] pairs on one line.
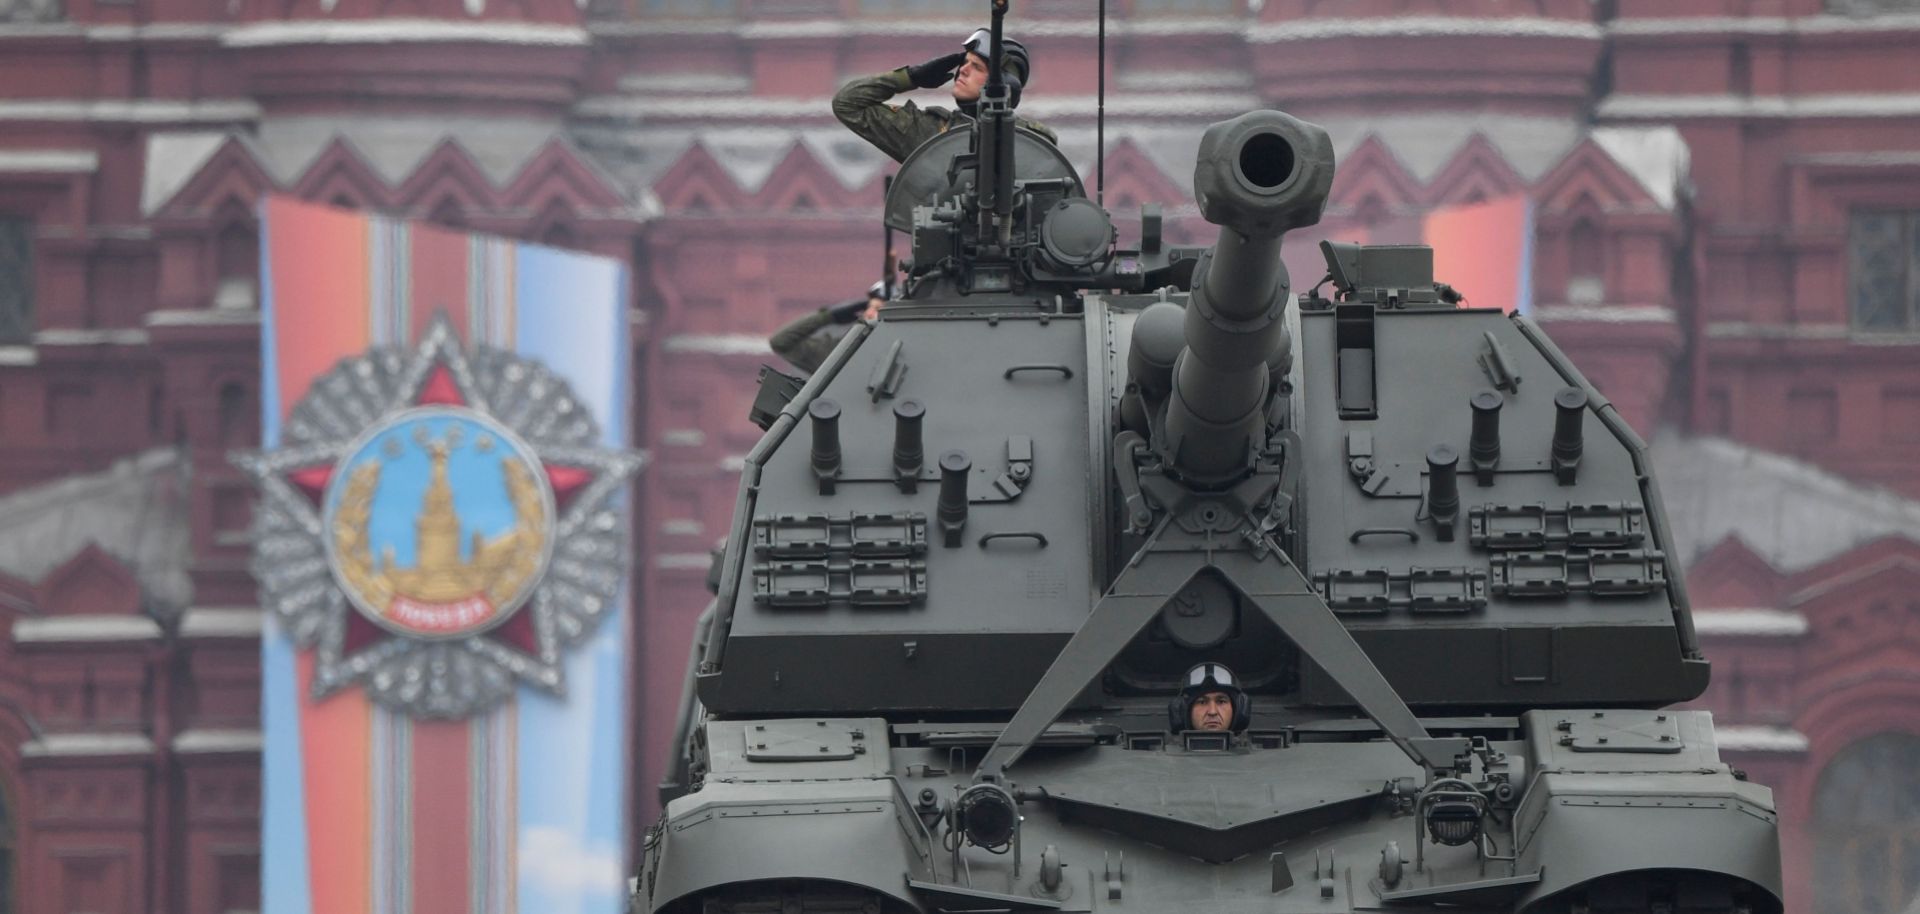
[[1586, 265], [236, 264], [16, 279], [1866, 820], [236, 416], [1584, 256]]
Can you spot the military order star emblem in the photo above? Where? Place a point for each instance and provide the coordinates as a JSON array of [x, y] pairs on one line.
[[440, 526]]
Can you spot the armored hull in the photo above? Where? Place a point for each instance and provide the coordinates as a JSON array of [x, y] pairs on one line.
[[976, 550]]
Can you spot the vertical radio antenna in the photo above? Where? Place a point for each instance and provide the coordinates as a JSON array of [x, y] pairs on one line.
[[1100, 117]]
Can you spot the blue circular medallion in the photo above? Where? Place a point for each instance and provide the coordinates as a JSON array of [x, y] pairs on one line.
[[438, 523]]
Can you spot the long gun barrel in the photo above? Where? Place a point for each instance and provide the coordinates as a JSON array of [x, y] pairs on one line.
[[1257, 177]]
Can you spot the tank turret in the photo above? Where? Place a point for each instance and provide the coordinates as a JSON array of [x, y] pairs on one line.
[[976, 552]]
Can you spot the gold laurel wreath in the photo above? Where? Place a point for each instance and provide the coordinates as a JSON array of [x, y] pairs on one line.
[[500, 568]]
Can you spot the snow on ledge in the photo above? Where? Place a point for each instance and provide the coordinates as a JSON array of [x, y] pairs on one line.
[[1746, 738], [198, 317], [719, 343], [50, 161], [683, 561], [401, 31], [1422, 26], [130, 110], [1825, 24], [68, 745], [1607, 314], [56, 629], [221, 622], [202, 741], [1767, 623], [1840, 104]]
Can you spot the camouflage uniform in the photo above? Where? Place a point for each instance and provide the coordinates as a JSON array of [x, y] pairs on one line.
[[802, 343], [900, 129]]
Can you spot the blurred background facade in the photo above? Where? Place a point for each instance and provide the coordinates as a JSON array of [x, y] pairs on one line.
[[1725, 200]]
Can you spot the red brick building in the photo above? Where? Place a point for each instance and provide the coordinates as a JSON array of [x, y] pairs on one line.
[[1727, 201]]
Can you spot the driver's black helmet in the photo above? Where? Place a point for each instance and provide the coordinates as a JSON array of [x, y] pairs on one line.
[[1013, 57], [1204, 678]]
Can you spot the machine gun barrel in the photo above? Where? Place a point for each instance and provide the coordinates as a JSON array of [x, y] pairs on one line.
[[995, 127], [1258, 176]]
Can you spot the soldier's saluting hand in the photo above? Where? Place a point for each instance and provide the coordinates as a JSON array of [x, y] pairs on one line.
[[900, 129]]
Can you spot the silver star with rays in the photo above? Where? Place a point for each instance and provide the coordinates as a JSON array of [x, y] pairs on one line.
[[580, 586]]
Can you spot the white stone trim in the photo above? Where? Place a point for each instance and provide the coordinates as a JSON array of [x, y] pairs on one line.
[[221, 622], [915, 27], [1743, 330], [685, 82], [75, 336], [210, 740], [1163, 80], [71, 745], [1421, 26], [402, 31], [683, 561], [1840, 104], [1877, 159], [159, 31], [1766, 25], [18, 356], [55, 161], [1607, 314], [733, 463], [682, 527], [133, 111], [1754, 738], [683, 437], [91, 627], [197, 317], [1043, 107], [718, 343], [1749, 623]]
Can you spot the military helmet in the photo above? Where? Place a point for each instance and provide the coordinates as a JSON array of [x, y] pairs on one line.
[[1204, 678], [1013, 56]]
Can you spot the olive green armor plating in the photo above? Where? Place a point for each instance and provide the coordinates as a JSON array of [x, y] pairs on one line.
[[975, 551]]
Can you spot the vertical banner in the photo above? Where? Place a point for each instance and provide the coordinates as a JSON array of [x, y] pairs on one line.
[[1485, 250], [443, 556]]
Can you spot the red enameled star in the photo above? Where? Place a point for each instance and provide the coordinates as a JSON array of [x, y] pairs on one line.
[[566, 482]]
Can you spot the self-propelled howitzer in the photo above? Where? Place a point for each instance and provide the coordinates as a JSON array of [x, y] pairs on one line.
[[974, 553]]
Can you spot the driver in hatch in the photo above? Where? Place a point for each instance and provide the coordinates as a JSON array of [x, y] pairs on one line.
[[1210, 699]]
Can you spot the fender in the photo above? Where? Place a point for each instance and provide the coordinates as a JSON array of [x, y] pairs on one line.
[[794, 812], [1593, 814]]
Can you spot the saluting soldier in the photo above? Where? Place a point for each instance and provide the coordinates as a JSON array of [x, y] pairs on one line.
[[900, 129]]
